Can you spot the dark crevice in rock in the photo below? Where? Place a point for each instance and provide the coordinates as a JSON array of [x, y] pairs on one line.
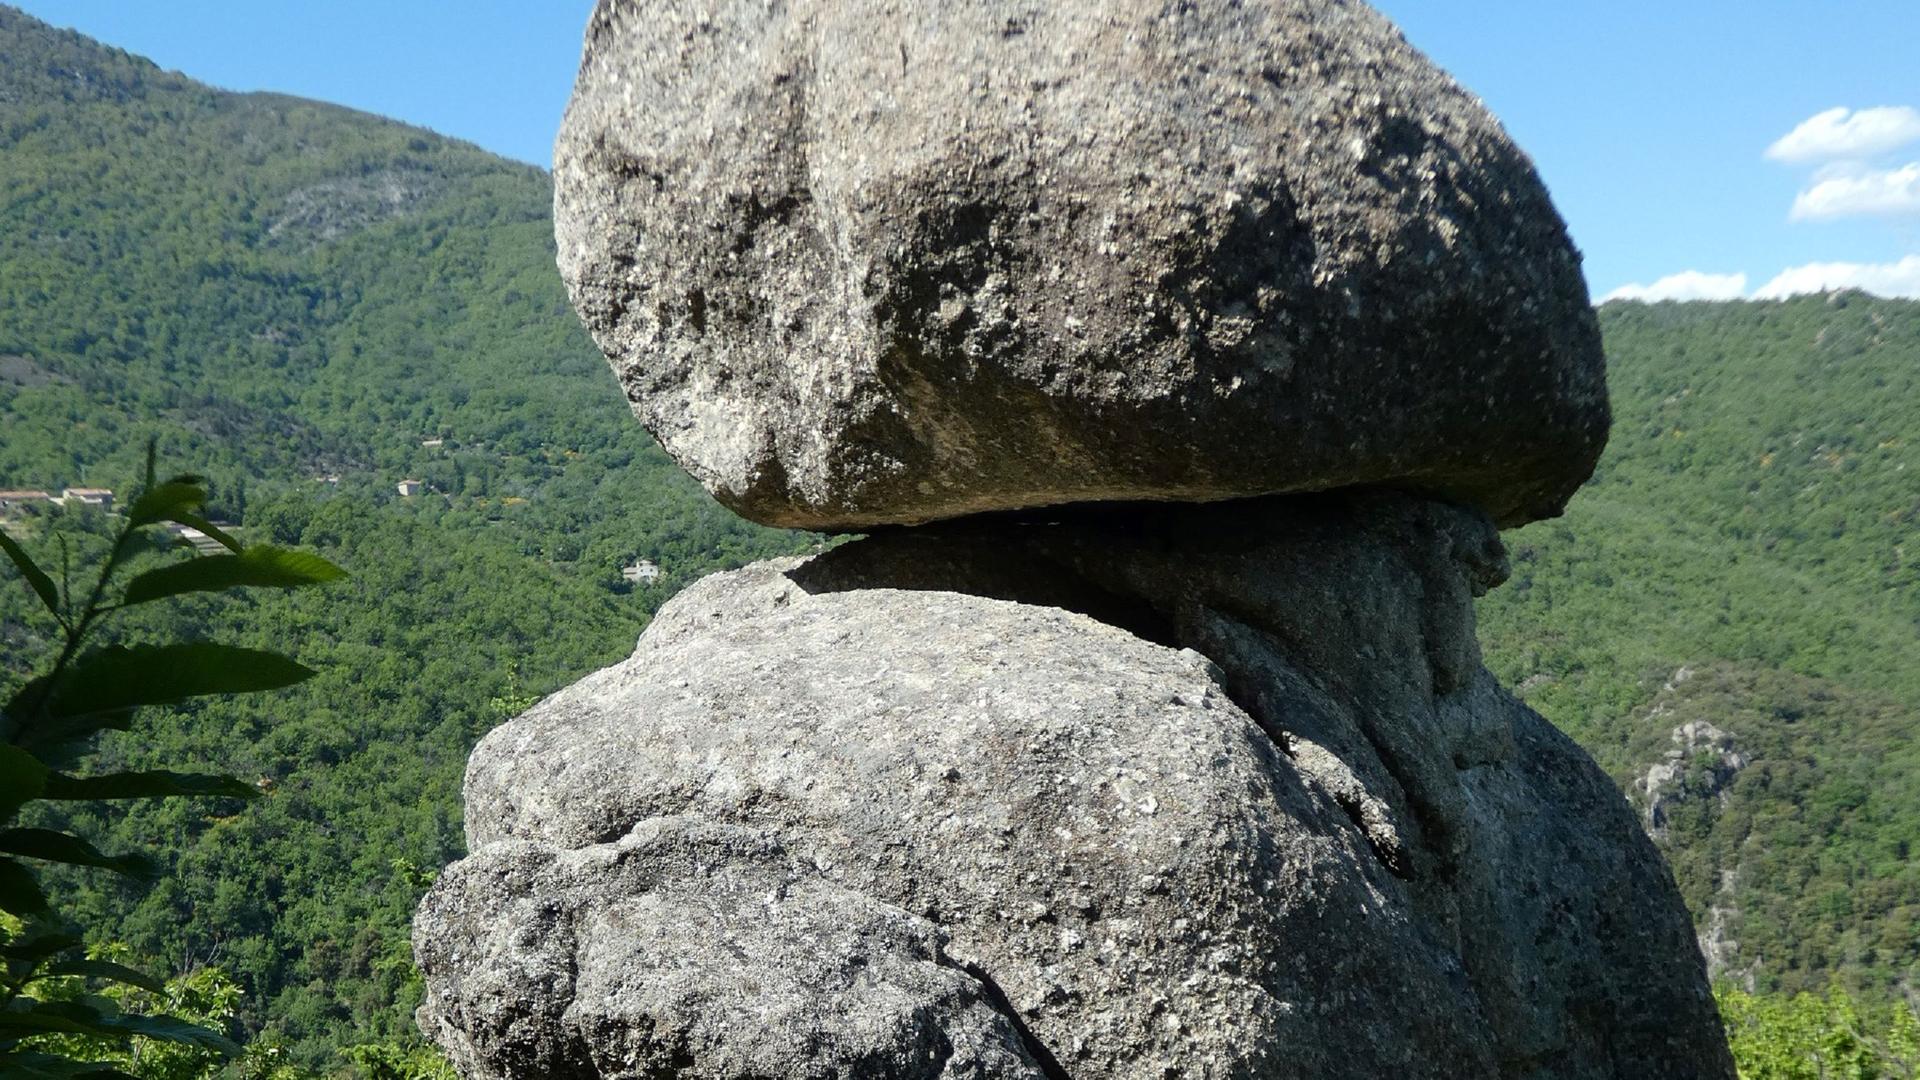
[[1394, 861], [997, 998], [997, 567]]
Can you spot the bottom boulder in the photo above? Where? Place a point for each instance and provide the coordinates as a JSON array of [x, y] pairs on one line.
[[821, 826], [688, 946]]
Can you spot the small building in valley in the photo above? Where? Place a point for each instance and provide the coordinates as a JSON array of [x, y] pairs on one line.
[[11, 501], [199, 541], [643, 572], [410, 488], [100, 497]]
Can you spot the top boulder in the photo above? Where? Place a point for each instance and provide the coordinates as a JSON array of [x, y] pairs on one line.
[[866, 262]]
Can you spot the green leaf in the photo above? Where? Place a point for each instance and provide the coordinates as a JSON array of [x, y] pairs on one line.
[[162, 502], [49, 845], [34, 949], [20, 891], [22, 778], [120, 678], [33, 1065], [37, 578], [87, 1018], [67, 731], [148, 785], [194, 521], [260, 566], [107, 969]]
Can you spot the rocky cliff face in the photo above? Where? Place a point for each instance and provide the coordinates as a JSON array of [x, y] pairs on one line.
[[1113, 790]]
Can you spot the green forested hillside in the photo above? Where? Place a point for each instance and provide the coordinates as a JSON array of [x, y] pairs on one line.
[[1747, 556], [281, 291], [293, 298]]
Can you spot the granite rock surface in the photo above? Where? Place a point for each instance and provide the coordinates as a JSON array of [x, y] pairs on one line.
[[868, 262], [1108, 796]]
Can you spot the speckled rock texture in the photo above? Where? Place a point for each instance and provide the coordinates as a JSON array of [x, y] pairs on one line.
[[1194, 792], [690, 946], [865, 262]]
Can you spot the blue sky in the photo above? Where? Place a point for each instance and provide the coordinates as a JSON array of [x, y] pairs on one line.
[[1651, 121]]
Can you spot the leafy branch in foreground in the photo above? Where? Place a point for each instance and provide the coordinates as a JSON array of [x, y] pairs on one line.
[[87, 690], [1809, 1036]]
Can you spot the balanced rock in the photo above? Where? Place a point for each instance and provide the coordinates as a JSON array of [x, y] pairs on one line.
[[861, 262], [1208, 792]]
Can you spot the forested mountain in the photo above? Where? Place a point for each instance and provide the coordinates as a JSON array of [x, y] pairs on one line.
[[293, 298], [310, 305], [1747, 557]]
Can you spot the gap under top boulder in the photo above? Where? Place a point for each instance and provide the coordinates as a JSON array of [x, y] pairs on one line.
[[869, 262], [1204, 781]]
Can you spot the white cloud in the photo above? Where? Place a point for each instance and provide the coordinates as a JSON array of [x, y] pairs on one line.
[[1856, 192], [1894, 279], [1686, 285], [1844, 133], [1883, 279]]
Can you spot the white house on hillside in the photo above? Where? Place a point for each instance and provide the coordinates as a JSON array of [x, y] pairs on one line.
[[100, 497]]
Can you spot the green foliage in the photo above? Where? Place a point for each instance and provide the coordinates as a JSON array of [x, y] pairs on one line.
[[1752, 524], [390, 1061], [1829, 1036], [298, 296], [50, 1025], [207, 997]]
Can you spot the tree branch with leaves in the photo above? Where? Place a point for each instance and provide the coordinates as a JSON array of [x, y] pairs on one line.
[[55, 717]]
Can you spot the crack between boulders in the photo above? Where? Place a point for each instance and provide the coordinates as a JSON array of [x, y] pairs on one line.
[[1396, 864], [997, 998]]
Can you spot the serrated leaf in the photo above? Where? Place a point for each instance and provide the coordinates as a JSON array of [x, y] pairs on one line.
[[52, 733], [259, 566], [37, 578], [162, 502], [85, 1018], [123, 678], [22, 779], [26, 701], [39, 946], [147, 785], [20, 891], [49, 845], [33, 1065], [107, 969]]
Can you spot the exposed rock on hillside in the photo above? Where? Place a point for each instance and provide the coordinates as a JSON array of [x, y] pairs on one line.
[[325, 211], [860, 263], [1701, 763], [1335, 849]]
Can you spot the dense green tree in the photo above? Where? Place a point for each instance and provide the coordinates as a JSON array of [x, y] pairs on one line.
[[1828, 1036], [1753, 526]]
